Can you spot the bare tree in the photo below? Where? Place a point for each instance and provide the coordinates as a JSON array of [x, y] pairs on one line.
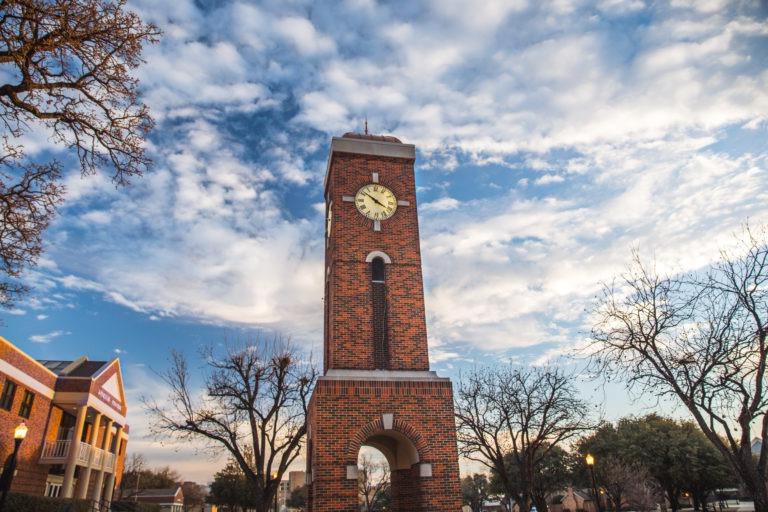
[[134, 466], [701, 339], [254, 405], [519, 415], [373, 480], [67, 68]]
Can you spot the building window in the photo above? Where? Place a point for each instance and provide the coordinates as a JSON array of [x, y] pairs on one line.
[[6, 398], [52, 490], [377, 269], [26, 405]]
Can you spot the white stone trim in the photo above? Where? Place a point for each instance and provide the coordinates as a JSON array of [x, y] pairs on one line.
[[388, 420], [377, 375], [105, 409], [377, 225], [401, 202], [348, 199], [25, 379], [368, 147], [378, 254], [425, 470], [351, 472], [375, 177], [28, 358]]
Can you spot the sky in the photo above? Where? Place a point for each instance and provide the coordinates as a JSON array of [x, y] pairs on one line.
[[552, 138]]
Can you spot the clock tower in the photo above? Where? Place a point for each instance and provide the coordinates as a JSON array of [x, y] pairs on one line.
[[377, 389]]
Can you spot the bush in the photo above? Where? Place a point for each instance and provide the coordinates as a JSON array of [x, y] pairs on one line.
[[132, 506], [26, 503]]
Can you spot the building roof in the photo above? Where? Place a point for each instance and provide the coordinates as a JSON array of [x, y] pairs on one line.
[[368, 136], [157, 493], [81, 367]]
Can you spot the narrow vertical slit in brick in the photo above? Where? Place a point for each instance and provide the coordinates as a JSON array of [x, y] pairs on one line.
[[379, 290]]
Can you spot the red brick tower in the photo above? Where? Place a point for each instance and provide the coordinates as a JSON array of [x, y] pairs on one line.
[[377, 389]]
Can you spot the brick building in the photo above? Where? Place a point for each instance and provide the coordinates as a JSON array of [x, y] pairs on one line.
[[377, 388], [75, 412], [169, 500]]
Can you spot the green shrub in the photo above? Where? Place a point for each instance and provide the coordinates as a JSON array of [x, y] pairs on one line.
[[131, 506], [26, 503]]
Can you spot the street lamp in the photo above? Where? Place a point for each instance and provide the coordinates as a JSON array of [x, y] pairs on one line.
[[590, 460], [277, 489], [10, 468]]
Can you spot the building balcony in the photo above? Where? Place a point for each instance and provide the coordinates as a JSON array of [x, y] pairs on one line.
[[57, 452]]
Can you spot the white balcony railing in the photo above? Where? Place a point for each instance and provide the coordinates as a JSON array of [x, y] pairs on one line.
[[57, 452], [98, 458], [109, 462], [54, 452], [83, 454]]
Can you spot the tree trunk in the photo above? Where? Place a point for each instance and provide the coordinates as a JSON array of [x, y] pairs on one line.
[[615, 500], [761, 497]]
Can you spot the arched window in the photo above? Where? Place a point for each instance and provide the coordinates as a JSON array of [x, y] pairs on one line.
[[377, 270]]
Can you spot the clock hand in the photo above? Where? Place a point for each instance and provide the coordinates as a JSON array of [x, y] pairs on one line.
[[376, 200]]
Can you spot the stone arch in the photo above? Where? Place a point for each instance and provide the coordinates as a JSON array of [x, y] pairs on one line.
[[401, 444], [378, 254]]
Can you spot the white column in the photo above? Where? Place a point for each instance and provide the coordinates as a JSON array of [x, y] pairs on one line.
[[100, 472], [110, 487], [83, 481], [74, 448]]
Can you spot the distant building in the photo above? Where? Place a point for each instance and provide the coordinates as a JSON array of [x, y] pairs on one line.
[[572, 500], [296, 480], [75, 411], [282, 494], [169, 500]]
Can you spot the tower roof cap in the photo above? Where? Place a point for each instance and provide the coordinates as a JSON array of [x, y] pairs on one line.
[[368, 136]]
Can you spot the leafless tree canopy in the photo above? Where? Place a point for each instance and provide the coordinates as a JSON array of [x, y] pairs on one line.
[[700, 339], [373, 482], [254, 405], [70, 62], [521, 413], [28, 202], [66, 66]]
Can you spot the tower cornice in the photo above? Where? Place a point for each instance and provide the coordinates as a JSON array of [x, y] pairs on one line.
[[372, 147]]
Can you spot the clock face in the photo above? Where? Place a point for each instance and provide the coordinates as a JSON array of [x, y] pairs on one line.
[[329, 220], [376, 202]]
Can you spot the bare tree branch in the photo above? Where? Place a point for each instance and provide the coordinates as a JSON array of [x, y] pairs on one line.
[[518, 414], [254, 405], [701, 339]]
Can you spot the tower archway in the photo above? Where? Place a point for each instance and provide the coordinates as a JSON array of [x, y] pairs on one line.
[[404, 451]]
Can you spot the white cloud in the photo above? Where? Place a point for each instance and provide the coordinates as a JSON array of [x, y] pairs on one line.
[[41, 317], [441, 205], [548, 179], [303, 35], [637, 129], [47, 338]]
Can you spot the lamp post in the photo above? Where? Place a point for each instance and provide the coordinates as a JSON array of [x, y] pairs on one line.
[[590, 460], [277, 489], [7, 478]]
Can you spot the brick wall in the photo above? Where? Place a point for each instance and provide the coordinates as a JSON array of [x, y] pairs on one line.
[[30, 477], [372, 326], [346, 413], [349, 320]]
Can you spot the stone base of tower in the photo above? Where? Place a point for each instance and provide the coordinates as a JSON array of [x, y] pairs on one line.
[[408, 416]]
